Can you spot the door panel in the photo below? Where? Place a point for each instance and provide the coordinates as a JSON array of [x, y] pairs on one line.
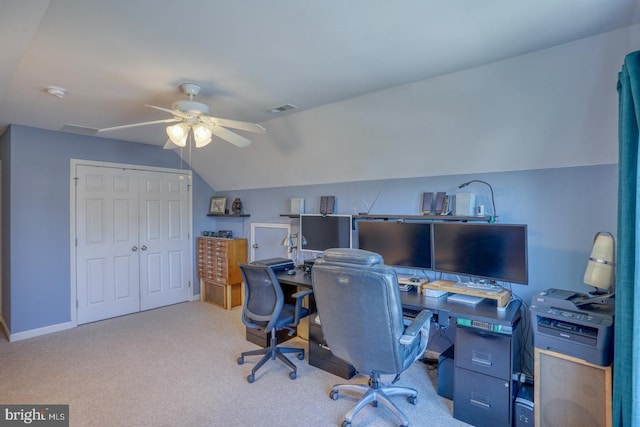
[[165, 257], [107, 258], [266, 241]]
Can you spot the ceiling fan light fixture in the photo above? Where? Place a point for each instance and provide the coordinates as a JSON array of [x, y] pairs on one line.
[[201, 135], [178, 134]]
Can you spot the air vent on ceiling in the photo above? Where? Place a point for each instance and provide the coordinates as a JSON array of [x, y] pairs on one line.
[[281, 108]]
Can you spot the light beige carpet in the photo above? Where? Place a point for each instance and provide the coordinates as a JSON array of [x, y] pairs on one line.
[[176, 366]]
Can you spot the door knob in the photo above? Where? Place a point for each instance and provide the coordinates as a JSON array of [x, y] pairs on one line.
[[143, 247], [135, 248], [254, 246]]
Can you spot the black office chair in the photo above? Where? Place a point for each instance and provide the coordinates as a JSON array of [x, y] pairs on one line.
[[360, 311], [265, 309]]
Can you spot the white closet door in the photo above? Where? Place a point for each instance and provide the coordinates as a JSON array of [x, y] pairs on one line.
[[107, 259], [165, 255]]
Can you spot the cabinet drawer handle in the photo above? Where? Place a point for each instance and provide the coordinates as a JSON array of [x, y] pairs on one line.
[[482, 362], [478, 403]]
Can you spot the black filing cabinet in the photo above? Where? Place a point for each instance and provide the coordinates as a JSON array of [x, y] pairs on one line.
[[484, 363]]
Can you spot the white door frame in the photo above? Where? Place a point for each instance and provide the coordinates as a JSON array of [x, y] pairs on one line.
[[255, 225], [72, 218]]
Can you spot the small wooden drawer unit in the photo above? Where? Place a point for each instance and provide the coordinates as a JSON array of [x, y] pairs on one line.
[[218, 271]]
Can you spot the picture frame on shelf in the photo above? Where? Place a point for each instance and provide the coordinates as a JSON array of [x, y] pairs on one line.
[[217, 205]]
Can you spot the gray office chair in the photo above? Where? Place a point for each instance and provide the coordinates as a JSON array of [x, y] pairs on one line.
[[358, 302], [265, 309]]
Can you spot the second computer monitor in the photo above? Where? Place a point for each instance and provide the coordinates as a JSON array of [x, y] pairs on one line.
[[401, 244]]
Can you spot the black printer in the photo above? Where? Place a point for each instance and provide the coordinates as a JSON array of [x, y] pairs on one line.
[[276, 264], [573, 323]]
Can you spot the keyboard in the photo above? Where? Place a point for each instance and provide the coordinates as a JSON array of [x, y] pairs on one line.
[[409, 312], [489, 287]]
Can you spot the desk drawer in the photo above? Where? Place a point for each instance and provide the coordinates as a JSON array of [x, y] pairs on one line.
[[486, 353], [481, 400]]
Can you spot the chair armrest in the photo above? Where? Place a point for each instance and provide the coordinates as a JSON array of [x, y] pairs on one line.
[[419, 323], [299, 296]]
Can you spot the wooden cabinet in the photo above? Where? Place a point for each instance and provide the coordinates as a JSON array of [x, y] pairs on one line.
[[218, 271]]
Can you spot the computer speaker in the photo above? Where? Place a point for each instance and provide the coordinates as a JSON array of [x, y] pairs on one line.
[[297, 206], [465, 204], [570, 392]]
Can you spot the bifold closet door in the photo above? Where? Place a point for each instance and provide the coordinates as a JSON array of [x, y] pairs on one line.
[[107, 260], [133, 247], [165, 254]]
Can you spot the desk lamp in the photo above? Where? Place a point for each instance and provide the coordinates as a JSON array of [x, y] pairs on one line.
[[600, 268], [291, 242]]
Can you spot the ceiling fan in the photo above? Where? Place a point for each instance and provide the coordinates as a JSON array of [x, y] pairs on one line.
[[194, 116]]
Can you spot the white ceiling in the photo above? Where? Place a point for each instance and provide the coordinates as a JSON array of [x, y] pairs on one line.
[[249, 55]]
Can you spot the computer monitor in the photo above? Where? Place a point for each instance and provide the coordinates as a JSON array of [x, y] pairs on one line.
[[478, 250], [401, 244], [325, 232]]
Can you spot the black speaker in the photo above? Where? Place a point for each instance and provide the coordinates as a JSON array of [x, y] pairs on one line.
[[571, 391], [327, 204], [427, 203], [439, 202]]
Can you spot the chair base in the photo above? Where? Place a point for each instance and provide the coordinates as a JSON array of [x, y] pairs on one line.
[[271, 353], [373, 394]]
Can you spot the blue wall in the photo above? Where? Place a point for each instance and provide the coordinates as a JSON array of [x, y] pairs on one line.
[[36, 208], [562, 207]]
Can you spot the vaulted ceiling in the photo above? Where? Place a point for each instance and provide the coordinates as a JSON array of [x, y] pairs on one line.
[[113, 57]]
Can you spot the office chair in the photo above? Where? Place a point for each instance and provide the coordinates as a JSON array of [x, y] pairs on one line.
[[358, 301], [265, 309]]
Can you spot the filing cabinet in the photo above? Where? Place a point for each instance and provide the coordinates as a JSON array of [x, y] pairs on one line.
[[484, 362], [218, 270]]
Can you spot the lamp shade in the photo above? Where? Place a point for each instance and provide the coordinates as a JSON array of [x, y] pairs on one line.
[[600, 268], [178, 134], [202, 135]]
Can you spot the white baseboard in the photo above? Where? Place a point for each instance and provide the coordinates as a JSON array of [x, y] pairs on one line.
[[41, 331]]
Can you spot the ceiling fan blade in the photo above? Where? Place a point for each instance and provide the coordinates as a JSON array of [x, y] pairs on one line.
[[227, 135], [172, 120], [235, 124]]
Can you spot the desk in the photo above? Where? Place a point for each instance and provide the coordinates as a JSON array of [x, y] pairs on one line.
[[487, 352]]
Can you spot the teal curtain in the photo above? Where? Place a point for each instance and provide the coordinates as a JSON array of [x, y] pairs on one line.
[[626, 366]]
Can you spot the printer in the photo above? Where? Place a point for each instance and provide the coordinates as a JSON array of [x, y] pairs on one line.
[[276, 264], [573, 323]]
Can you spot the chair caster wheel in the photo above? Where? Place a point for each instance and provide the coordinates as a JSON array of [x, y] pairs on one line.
[[293, 375], [251, 378], [301, 356], [346, 423], [333, 395], [374, 403], [413, 399], [240, 360]]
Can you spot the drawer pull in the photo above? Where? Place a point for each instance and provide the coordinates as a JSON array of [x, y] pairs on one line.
[[483, 362], [479, 403], [326, 347]]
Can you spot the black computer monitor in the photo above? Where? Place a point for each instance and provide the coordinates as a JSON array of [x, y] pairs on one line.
[[479, 250], [325, 232], [401, 244]]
